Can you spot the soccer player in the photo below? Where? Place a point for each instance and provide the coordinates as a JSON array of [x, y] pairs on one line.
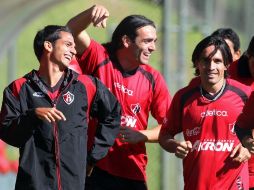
[[45, 115], [213, 157], [122, 65]]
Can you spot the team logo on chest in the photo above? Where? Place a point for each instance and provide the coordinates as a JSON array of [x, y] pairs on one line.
[[135, 108], [68, 98]]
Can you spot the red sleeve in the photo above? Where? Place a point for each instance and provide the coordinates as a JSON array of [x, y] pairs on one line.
[[161, 99], [92, 56], [16, 86]]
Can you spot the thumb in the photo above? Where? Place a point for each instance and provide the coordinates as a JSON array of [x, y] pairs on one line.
[[189, 144]]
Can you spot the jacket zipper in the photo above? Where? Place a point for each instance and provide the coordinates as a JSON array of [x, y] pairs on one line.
[[57, 148]]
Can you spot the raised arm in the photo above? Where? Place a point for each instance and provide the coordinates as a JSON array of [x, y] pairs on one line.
[[97, 15]]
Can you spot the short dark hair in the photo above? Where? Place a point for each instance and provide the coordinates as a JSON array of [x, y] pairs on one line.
[[128, 26], [243, 63], [230, 34], [219, 44], [49, 33]]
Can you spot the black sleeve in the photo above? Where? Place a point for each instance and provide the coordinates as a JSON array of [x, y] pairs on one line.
[[107, 110], [15, 125]]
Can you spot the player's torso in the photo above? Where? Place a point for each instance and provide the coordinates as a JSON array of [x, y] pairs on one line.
[[209, 125], [134, 92]]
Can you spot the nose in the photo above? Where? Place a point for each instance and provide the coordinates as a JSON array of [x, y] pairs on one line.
[[152, 46], [73, 51], [211, 65]]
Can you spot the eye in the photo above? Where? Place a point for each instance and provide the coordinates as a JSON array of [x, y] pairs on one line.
[[218, 61]]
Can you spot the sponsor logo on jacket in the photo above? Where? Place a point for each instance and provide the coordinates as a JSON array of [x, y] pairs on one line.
[[39, 94], [68, 98], [212, 145], [123, 88], [214, 112]]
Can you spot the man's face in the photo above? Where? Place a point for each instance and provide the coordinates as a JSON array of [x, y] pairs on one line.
[[144, 44], [63, 49], [235, 54], [211, 68]]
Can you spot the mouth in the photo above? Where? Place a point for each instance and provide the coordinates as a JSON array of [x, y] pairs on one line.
[[68, 57], [147, 55]]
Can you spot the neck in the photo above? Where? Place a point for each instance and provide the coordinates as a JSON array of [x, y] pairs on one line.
[[50, 73], [126, 62], [214, 88]]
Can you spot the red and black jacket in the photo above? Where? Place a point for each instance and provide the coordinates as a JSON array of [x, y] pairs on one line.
[[53, 156]]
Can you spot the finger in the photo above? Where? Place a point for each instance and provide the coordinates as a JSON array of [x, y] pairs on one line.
[[181, 150], [97, 16], [59, 115], [46, 117], [189, 145], [101, 19], [233, 153], [179, 155]]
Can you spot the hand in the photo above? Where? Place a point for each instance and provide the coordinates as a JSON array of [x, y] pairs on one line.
[[182, 149], [130, 135], [99, 16], [89, 169], [240, 154], [49, 114], [248, 142]]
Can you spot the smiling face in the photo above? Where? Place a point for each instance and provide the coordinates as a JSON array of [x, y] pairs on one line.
[[141, 49], [63, 50], [211, 69]]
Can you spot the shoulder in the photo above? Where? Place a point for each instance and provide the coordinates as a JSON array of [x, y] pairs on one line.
[[239, 85], [86, 79], [238, 88]]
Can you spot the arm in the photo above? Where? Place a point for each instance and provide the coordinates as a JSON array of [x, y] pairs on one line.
[[168, 143], [17, 125], [97, 15], [130, 135]]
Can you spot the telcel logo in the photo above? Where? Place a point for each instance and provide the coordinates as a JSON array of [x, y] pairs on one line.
[[123, 89], [214, 112]]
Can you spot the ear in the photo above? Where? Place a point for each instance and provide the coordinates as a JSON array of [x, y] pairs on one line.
[[48, 46], [238, 54], [126, 41]]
